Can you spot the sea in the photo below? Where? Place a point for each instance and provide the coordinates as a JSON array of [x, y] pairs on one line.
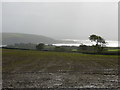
[[76, 42]]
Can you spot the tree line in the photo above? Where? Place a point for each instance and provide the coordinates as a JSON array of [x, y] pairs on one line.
[[98, 47]]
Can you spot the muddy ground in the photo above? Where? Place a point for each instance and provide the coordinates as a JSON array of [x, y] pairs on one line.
[[106, 79], [37, 69]]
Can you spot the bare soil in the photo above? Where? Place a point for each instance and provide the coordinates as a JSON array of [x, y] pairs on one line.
[[60, 80]]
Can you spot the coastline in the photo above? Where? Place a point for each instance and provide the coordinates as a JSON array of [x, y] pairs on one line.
[[110, 43]]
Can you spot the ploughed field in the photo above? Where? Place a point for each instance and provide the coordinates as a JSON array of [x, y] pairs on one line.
[[43, 69]]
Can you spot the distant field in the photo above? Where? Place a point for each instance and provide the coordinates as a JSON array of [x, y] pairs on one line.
[[113, 50], [23, 60], [37, 69]]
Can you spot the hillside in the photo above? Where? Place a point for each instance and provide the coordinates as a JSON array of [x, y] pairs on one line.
[[12, 38]]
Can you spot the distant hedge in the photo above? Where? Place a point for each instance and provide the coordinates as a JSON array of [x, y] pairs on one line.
[[104, 53]]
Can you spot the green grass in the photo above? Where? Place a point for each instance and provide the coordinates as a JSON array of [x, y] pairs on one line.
[[112, 50], [74, 50], [29, 60]]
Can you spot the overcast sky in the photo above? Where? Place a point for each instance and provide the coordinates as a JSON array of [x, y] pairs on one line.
[[62, 20]]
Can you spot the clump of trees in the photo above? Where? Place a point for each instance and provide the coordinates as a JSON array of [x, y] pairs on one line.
[[100, 42], [83, 47], [40, 46]]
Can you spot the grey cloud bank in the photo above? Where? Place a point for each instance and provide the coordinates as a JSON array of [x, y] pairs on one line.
[[62, 20]]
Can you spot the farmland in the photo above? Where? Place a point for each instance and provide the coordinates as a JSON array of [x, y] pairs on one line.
[[43, 69]]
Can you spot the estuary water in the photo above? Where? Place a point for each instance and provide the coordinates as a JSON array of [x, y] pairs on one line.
[[75, 42]]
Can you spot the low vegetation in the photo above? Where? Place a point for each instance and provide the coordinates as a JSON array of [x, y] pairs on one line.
[[27, 60]]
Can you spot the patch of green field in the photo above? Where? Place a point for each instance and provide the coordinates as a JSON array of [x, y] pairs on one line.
[[74, 50], [29, 60], [113, 50]]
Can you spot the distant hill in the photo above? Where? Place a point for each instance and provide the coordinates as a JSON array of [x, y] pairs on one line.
[[12, 38]]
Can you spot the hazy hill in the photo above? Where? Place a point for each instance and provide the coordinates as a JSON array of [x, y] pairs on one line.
[[12, 38]]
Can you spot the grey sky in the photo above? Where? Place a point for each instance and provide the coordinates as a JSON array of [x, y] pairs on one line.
[[73, 20], [0, 16]]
